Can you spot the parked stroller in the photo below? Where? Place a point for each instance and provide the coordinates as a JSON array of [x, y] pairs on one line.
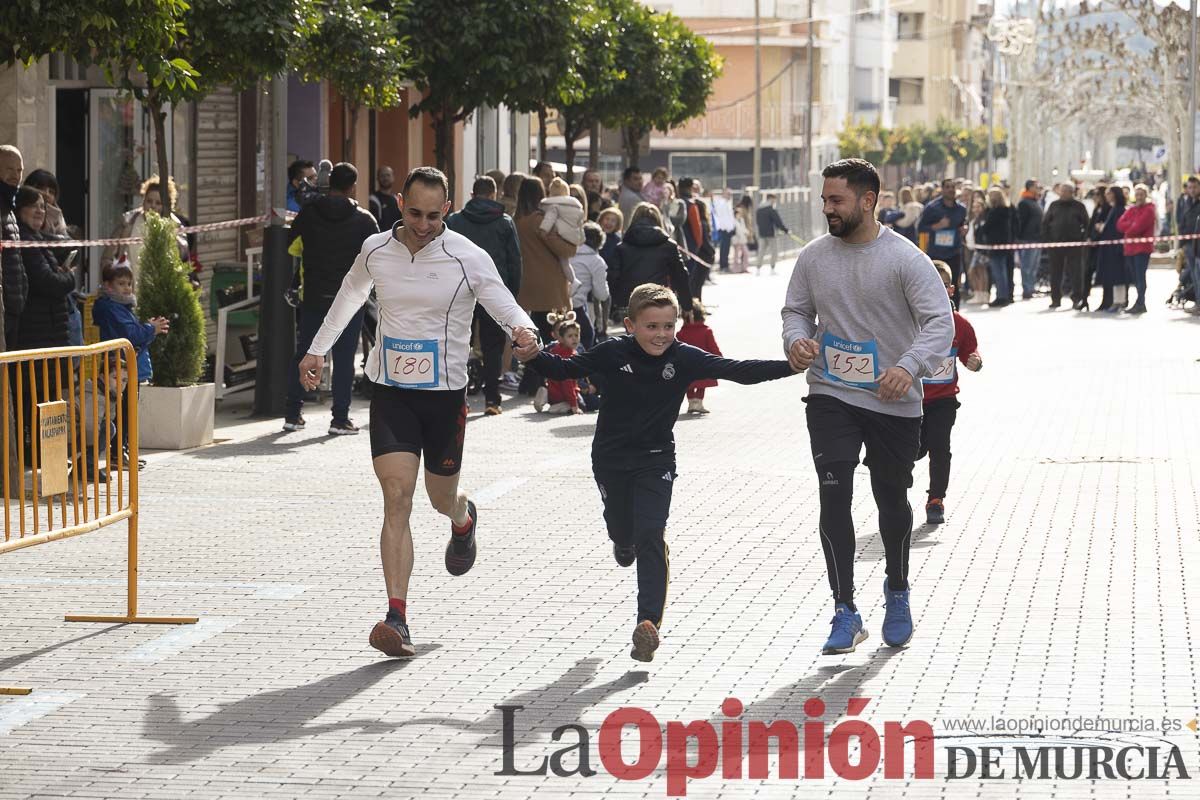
[[1185, 292]]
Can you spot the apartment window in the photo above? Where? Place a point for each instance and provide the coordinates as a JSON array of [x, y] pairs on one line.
[[910, 27], [907, 91]]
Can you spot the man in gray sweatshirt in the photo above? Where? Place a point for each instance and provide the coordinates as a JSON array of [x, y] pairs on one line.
[[868, 313]]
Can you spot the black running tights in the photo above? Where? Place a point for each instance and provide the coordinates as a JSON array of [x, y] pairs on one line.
[[837, 528]]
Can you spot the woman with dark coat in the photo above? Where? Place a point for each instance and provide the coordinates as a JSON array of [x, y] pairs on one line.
[[999, 227], [44, 319], [647, 254], [1110, 263], [1095, 226]]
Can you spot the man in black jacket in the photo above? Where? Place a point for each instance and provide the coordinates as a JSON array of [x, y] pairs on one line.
[[769, 225], [1187, 214], [1066, 220], [384, 206], [16, 284], [484, 222], [332, 230]]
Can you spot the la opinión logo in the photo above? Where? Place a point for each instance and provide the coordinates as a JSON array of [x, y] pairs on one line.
[[854, 749]]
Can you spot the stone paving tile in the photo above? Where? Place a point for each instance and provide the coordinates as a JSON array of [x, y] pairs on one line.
[[1058, 588]]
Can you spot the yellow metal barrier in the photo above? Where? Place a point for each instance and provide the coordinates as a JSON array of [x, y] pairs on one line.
[[69, 437]]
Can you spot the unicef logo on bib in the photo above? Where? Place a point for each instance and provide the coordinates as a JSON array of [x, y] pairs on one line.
[[410, 363], [852, 363]]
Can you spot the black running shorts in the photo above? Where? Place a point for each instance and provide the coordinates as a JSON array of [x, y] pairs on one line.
[[837, 432], [420, 421]]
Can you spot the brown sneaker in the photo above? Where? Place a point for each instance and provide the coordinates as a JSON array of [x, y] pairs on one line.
[[645, 641], [391, 638]]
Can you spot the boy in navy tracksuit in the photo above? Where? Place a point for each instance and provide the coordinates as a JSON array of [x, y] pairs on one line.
[[647, 374]]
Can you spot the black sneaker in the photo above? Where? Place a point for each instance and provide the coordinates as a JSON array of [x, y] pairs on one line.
[[935, 511], [625, 555], [460, 550], [293, 423], [342, 427], [391, 637]]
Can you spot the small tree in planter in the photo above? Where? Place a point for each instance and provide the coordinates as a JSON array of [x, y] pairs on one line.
[[164, 291], [175, 413]]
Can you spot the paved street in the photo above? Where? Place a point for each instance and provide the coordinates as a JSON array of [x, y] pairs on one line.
[[1058, 588]]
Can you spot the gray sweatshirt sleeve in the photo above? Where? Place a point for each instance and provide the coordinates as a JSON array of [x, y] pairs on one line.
[[799, 313], [931, 310]]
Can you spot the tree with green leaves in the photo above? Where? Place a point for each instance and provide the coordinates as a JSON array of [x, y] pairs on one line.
[[358, 50], [162, 52], [487, 52], [669, 75], [165, 291], [599, 76]]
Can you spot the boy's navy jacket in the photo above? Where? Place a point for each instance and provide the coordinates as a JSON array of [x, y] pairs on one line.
[[642, 394], [117, 321]]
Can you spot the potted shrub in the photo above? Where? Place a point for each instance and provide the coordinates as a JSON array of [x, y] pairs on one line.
[[175, 412]]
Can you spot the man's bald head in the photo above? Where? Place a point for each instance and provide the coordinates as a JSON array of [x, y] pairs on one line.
[[12, 167]]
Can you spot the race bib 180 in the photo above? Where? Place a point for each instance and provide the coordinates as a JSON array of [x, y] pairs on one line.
[[945, 237], [947, 371], [410, 363], [854, 363]]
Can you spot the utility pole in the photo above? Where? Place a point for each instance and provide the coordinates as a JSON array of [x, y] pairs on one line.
[[1189, 133], [757, 98], [991, 109], [276, 319], [810, 51]]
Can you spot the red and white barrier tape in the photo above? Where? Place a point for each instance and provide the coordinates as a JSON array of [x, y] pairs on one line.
[[211, 226], [1104, 243]]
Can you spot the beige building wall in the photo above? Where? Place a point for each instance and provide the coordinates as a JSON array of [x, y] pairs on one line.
[[25, 116], [931, 42]]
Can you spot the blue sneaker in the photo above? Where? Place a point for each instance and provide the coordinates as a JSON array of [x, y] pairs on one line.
[[847, 631], [897, 620]]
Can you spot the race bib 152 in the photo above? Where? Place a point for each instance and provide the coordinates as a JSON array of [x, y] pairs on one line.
[[410, 363], [854, 363]]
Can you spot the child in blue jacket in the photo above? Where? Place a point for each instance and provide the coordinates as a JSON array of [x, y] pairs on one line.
[[113, 315]]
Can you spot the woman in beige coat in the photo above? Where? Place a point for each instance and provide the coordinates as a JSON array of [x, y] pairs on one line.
[[545, 282]]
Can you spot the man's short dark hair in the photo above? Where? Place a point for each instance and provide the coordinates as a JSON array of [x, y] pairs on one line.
[[484, 186], [860, 175], [1193, 179], [1030, 184], [343, 177], [628, 172], [429, 176], [296, 169], [686, 184], [593, 235]]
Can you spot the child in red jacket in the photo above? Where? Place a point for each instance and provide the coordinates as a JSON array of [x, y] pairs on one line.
[[941, 405], [697, 334], [561, 397]]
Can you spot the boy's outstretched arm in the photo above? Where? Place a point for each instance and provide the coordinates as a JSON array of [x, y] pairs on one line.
[[557, 368], [748, 371]]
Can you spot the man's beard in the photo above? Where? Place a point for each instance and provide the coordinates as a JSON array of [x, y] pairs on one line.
[[844, 225]]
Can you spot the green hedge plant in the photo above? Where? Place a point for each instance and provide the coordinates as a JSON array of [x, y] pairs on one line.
[[164, 290]]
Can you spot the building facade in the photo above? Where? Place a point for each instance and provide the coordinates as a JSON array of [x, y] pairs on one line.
[[940, 62]]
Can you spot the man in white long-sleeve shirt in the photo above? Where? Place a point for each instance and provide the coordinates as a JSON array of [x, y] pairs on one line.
[[427, 279], [868, 317]]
